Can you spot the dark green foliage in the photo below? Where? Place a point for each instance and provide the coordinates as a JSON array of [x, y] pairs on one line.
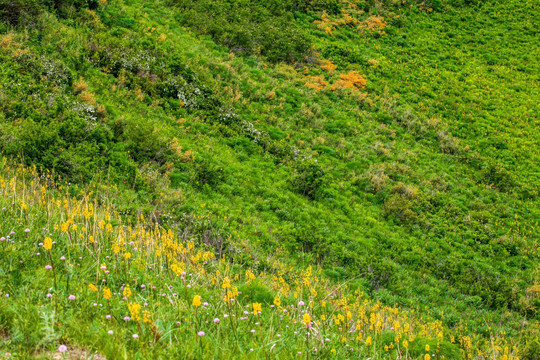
[[308, 178], [342, 55], [498, 176], [68, 7], [250, 27], [330, 6], [208, 173], [15, 12], [25, 12]]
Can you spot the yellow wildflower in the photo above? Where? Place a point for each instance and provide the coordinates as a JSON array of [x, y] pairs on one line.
[[228, 296], [226, 283], [196, 301], [93, 287], [127, 292], [134, 310], [250, 275], [307, 320], [257, 308], [107, 293], [47, 243], [146, 317]]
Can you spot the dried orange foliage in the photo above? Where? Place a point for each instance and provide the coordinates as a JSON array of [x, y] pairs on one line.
[[374, 23], [349, 16], [8, 43], [139, 94], [351, 80], [328, 65], [316, 82], [373, 62], [7, 40], [79, 86], [88, 98], [325, 24], [186, 156]]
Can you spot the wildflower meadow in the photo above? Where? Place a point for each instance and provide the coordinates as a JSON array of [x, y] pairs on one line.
[[248, 179]]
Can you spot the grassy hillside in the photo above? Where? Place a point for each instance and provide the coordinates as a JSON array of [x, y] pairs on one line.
[[381, 157]]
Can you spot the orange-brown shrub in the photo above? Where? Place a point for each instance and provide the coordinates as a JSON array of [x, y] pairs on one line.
[[316, 82], [351, 80]]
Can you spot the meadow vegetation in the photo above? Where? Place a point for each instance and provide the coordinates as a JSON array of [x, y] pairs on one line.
[[340, 178]]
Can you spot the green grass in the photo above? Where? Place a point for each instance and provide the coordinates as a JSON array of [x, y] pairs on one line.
[[422, 186]]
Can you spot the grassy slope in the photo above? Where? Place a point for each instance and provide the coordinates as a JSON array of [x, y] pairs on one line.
[[459, 229]]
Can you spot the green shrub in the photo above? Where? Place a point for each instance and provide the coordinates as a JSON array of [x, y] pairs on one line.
[[208, 173], [498, 176], [250, 27], [308, 178], [15, 12], [532, 349]]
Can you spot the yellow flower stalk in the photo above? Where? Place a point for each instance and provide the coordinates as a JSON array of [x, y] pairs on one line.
[[134, 310], [196, 301], [277, 301], [256, 308], [47, 243], [307, 320], [250, 275], [107, 293], [146, 317]]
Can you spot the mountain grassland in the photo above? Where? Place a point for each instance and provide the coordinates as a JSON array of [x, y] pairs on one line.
[[269, 179]]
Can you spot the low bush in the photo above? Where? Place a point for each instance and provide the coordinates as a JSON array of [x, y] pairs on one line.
[[308, 178]]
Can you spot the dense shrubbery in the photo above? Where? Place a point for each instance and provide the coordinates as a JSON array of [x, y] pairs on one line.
[[25, 12], [308, 179], [15, 12], [251, 27], [393, 184]]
